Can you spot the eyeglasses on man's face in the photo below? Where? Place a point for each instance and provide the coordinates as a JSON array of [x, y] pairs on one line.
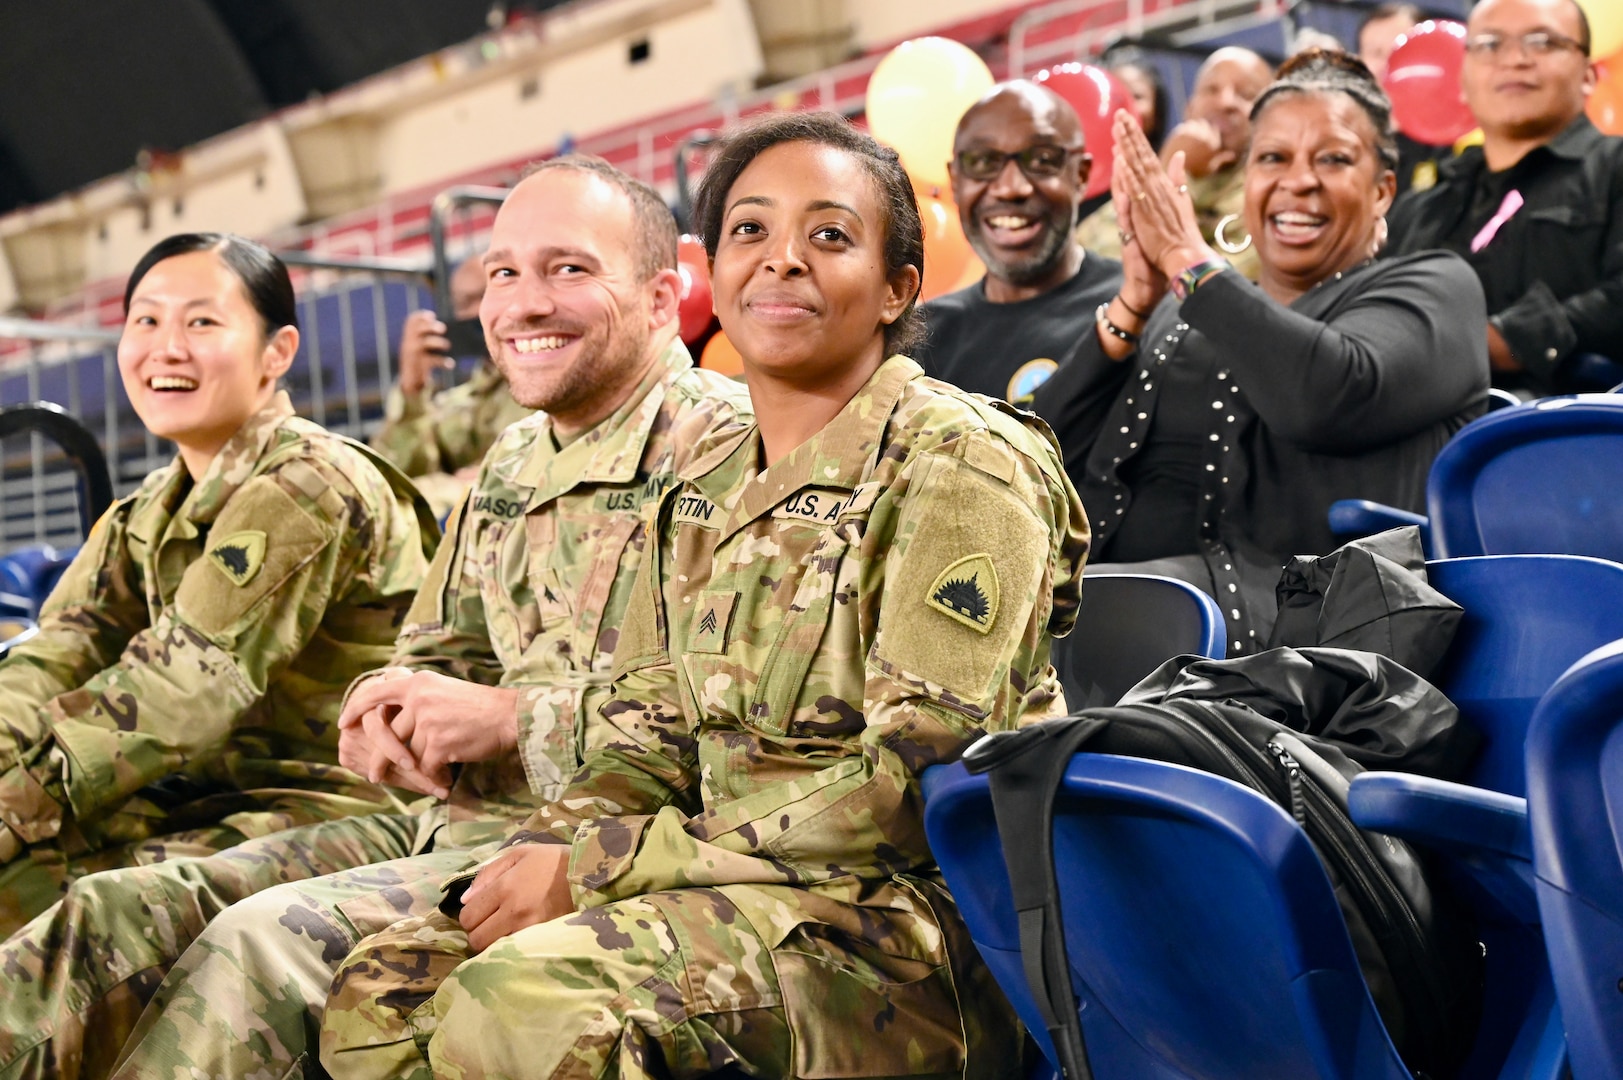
[[1041, 162], [1534, 44]]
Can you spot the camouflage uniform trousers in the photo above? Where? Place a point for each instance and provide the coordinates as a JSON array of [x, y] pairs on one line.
[[245, 999], [43, 874], [668, 984], [79, 975]]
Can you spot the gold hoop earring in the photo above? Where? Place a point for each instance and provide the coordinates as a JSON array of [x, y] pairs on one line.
[[1224, 244]]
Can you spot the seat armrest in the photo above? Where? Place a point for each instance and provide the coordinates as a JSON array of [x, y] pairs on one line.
[[1439, 813], [1361, 517]]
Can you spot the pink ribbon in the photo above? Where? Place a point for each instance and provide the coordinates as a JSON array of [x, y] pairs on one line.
[[1507, 210]]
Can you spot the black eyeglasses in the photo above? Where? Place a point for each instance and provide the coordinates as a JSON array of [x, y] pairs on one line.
[[1534, 44], [1041, 162]]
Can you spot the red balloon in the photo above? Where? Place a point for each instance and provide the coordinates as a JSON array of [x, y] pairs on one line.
[[1095, 94], [694, 314], [1423, 81]]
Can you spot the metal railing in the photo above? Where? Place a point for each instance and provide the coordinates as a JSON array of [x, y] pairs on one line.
[[39, 483]]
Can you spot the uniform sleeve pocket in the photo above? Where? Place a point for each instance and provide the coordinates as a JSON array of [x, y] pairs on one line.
[[262, 540], [963, 578]]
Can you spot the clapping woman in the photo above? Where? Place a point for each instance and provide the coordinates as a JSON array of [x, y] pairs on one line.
[[1242, 412]]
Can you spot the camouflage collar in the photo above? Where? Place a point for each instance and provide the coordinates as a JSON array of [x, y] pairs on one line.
[[229, 470], [841, 456], [609, 453]]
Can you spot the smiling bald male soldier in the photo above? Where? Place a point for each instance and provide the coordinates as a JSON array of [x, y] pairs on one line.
[[507, 647]]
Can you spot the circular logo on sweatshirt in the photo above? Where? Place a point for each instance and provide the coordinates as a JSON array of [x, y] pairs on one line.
[[1029, 376]]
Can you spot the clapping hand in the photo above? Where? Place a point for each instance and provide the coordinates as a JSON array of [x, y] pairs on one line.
[[1161, 213]]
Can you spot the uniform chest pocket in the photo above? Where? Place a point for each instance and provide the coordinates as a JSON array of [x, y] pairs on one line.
[[499, 561], [810, 678], [580, 573]]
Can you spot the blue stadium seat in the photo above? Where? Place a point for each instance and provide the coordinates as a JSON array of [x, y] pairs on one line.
[[1527, 619], [1221, 950], [27, 577], [1538, 478], [1129, 624], [1575, 800]]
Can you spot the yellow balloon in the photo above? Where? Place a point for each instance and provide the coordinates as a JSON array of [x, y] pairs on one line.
[[917, 95], [1605, 26]]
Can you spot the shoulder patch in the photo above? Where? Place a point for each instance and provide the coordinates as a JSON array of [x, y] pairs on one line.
[[967, 591], [239, 556], [697, 510], [820, 506]]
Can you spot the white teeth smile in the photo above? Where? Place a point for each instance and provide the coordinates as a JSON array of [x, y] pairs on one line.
[[171, 382], [1006, 221], [540, 344], [1305, 221]]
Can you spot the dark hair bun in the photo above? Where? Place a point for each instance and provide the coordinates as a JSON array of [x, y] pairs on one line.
[[1318, 64]]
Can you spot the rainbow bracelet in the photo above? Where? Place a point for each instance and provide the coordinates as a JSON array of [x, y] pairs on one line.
[[1193, 277]]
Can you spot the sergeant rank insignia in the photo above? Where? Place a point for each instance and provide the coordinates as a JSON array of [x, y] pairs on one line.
[[967, 591], [239, 555]]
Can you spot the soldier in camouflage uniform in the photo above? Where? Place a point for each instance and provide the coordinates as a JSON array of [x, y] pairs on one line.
[[524, 602], [439, 439], [183, 692], [836, 600]]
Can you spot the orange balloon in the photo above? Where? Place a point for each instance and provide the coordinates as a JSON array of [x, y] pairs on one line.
[[720, 356], [974, 270], [1606, 102], [946, 251]]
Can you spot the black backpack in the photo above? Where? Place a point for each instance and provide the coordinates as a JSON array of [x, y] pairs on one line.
[[1289, 724]]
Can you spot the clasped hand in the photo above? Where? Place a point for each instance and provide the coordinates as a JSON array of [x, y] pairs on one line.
[[1160, 233], [407, 728]]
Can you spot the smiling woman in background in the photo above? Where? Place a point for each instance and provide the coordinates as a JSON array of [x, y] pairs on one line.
[[1248, 410], [182, 693]]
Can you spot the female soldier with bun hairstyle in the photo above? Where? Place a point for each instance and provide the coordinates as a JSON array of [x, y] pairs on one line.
[[183, 691]]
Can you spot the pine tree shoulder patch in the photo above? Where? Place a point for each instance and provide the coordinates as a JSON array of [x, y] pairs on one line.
[[239, 556], [967, 591]]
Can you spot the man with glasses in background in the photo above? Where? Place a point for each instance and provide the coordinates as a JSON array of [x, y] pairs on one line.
[[1537, 209], [1019, 170]]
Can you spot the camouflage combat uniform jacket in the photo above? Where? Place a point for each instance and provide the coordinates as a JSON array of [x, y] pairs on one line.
[[431, 436], [802, 642], [532, 590], [211, 629]]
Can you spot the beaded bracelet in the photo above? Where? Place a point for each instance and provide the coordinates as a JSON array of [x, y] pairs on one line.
[[1101, 317], [1193, 277]]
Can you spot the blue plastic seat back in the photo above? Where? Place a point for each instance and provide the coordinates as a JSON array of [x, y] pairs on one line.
[[16, 586], [28, 575], [1204, 937], [1527, 619], [1128, 625], [1539, 478], [1575, 804]]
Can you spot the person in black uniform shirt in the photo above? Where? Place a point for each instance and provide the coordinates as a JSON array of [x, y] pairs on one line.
[[1537, 209], [1019, 170], [1250, 409]]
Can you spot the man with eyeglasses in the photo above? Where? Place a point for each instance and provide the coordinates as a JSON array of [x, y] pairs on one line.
[[1019, 170], [1537, 209]]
